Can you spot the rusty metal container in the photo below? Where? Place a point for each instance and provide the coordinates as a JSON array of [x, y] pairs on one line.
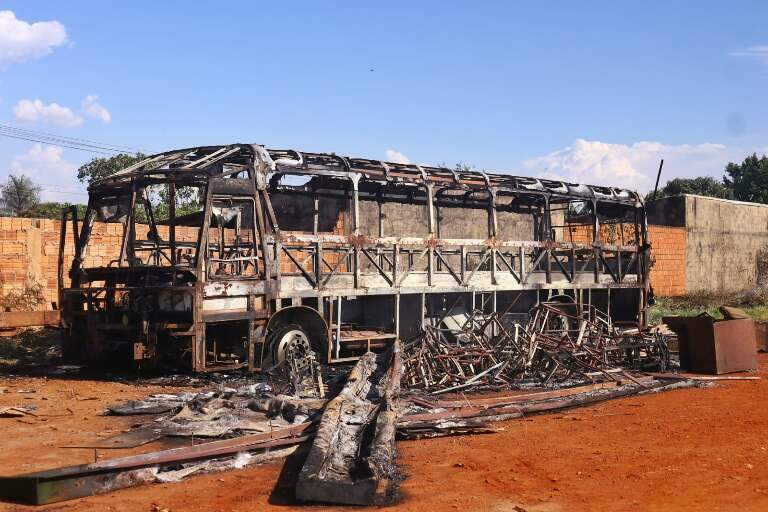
[[715, 347], [761, 336]]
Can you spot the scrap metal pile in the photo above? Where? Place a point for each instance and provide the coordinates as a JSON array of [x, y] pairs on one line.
[[561, 342]]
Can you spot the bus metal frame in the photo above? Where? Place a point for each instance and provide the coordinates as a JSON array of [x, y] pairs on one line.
[[305, 278]]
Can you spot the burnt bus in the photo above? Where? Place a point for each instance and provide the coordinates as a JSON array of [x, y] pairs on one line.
[[240, 256]]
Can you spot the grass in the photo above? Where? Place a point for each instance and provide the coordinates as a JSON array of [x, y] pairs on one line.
[[754, 303], [29, 344]]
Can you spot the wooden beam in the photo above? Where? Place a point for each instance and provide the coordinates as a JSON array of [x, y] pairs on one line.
[[16, 319]]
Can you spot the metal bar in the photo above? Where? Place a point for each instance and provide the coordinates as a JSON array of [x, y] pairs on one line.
[[395, 264], [381, 271], [315, 214], [172, 223], [431, 266], [447, 266], [262, 231], [355, 204], [533, 265], [493, 265], [658, 176], [71, 482], [306, 274], [568, 276], [509, 266], [480, 264], [356, 262], [270, 212], [319, 266], [335, 268], [493, 223], [128, 229], [412, 264], [397, 315], [431, 210], [338, 326]]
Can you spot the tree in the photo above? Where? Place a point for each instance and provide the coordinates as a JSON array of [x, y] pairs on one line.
[[99, 168], [459, 167], [749, 179], [703, 186], [52, 210], [18, 195], [187, 198]]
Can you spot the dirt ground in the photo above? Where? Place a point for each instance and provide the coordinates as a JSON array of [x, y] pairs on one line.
[[694, 449]]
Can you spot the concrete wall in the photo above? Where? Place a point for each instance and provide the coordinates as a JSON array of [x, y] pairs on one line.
[[412, 220], [722, 240]]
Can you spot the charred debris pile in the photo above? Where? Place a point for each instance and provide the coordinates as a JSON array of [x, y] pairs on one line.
[[345, 423], [561, 344]]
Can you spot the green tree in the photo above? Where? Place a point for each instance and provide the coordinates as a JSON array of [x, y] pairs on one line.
[[52, 210], [703, 186], [99, 168], [749, 179], [187, 198], [18, 195]]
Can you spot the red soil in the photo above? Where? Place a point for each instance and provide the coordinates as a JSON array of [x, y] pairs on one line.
[[694, 449]]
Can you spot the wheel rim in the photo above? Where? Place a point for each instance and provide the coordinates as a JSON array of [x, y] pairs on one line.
[[292, 344]]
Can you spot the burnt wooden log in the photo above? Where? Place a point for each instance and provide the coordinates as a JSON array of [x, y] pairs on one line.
[[352, 457]]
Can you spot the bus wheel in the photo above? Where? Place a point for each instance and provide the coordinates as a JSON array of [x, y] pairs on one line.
[[291, 343]]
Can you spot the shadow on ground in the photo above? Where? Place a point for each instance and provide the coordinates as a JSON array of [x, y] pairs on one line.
[[284, 492]]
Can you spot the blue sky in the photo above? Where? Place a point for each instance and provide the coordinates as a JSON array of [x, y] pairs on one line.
[[584, 91]]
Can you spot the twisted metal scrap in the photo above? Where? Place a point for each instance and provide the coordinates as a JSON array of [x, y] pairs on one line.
[[560, 342]]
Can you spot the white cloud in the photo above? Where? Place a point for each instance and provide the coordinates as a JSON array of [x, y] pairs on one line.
[[93, 108], [21, 41], [46, 166], [53, 113], [395, 156], [756, 52], [631, 166]]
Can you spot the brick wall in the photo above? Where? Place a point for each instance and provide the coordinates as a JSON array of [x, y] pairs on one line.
[[668, 253], [667, 250], [28, 255], [29, 251]]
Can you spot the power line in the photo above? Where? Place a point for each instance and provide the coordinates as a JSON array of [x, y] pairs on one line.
[[46, 188], [54, 144], [27, 135], [72, 139], [63, 192], [62, 141], [21, 132], [56, 141]]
